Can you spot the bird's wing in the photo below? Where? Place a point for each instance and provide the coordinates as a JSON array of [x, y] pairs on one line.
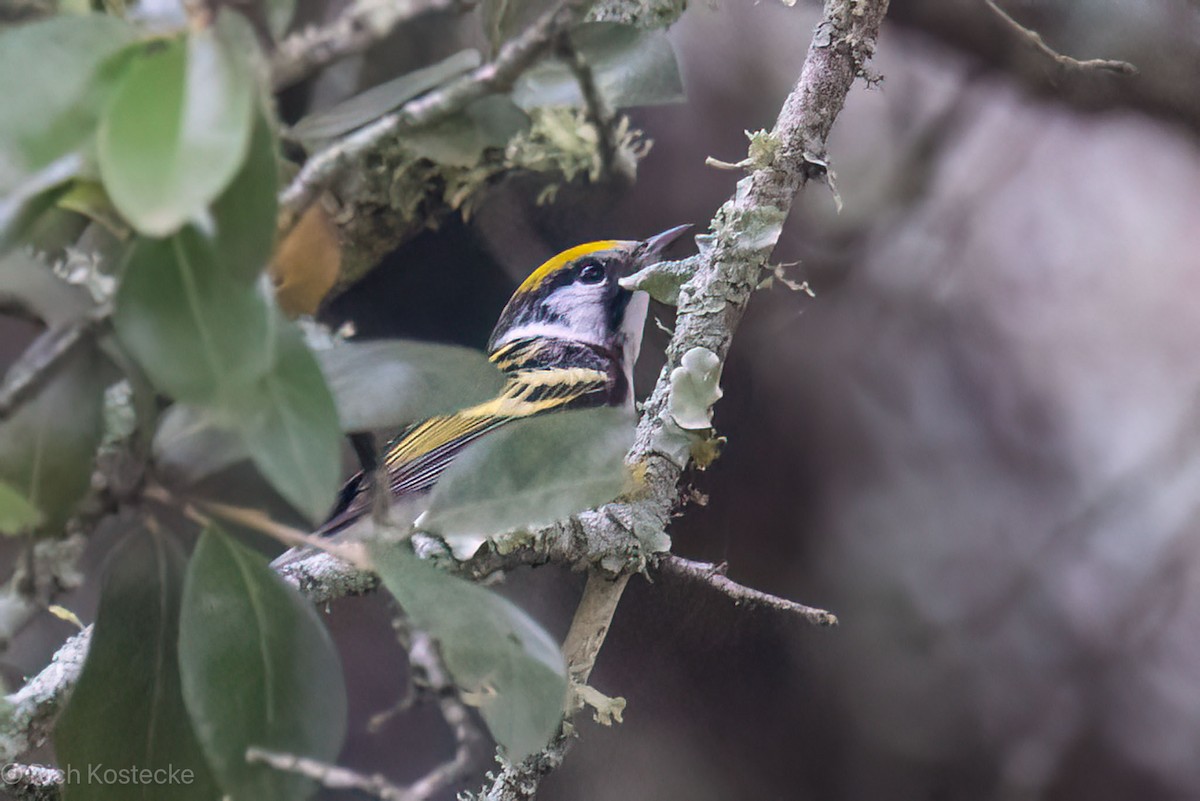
[[417, 458]]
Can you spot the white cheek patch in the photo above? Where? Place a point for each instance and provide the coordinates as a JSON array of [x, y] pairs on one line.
[[582, 307], [530, 330]]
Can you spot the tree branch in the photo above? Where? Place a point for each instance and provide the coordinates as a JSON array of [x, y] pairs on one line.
[[360, 26], [598, 113], [429, 676], [1035, 40], [429, 672], [615, 540], [39, 364], [712, 302], [714, 576], [514, 58]]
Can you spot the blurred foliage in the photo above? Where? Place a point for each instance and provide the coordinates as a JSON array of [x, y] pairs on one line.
[[504, 662], [139, 175], [258, 669], [136, 637]]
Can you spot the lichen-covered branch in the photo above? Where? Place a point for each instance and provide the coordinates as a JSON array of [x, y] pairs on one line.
[[33, 708], [514, 58], [31, 782], [712, 302], [619, 539]]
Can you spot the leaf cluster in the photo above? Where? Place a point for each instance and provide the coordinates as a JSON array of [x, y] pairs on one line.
[[139, 179]]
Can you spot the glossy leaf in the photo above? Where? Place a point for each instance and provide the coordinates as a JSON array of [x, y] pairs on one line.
[[47, 445], [245, 212], [508, 664], [198, 335], [379, 100], [633, 67], [51, 110], [17, 514], [127, 711], [176, 131], [533, 472], [292, 431], [389, 383], [258, 669]]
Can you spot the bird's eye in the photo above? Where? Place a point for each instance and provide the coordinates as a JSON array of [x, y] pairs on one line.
[[591, 273]]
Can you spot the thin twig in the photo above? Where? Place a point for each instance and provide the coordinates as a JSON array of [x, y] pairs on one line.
[[1035, 40], [428, 669], [44, 359], [199, 511], [333, 777], [360, 26], [714, 576], [515, 57], [598, 112], [429, 672]]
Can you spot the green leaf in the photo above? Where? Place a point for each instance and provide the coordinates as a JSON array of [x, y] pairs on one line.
[[176, 131], [258, 669], [379, 100], [28, 280], [24, 210], [532, 472], [199, 336], [48, 444], [127, 710], [54, 76], [89, 199], [292, 431], [17, 514], [387, 384], [245, 213], [194, 442], [286, 423], [507, 662], [633, 67], [459, 140]]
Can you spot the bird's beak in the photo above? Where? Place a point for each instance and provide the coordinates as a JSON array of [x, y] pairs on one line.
[[652, 249]]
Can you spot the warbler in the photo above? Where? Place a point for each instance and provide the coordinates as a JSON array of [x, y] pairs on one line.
[[567, 339]]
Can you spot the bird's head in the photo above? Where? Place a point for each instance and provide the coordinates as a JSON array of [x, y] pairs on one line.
[[576, 297]]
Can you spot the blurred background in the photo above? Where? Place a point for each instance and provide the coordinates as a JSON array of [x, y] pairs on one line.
[[978, 444]]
